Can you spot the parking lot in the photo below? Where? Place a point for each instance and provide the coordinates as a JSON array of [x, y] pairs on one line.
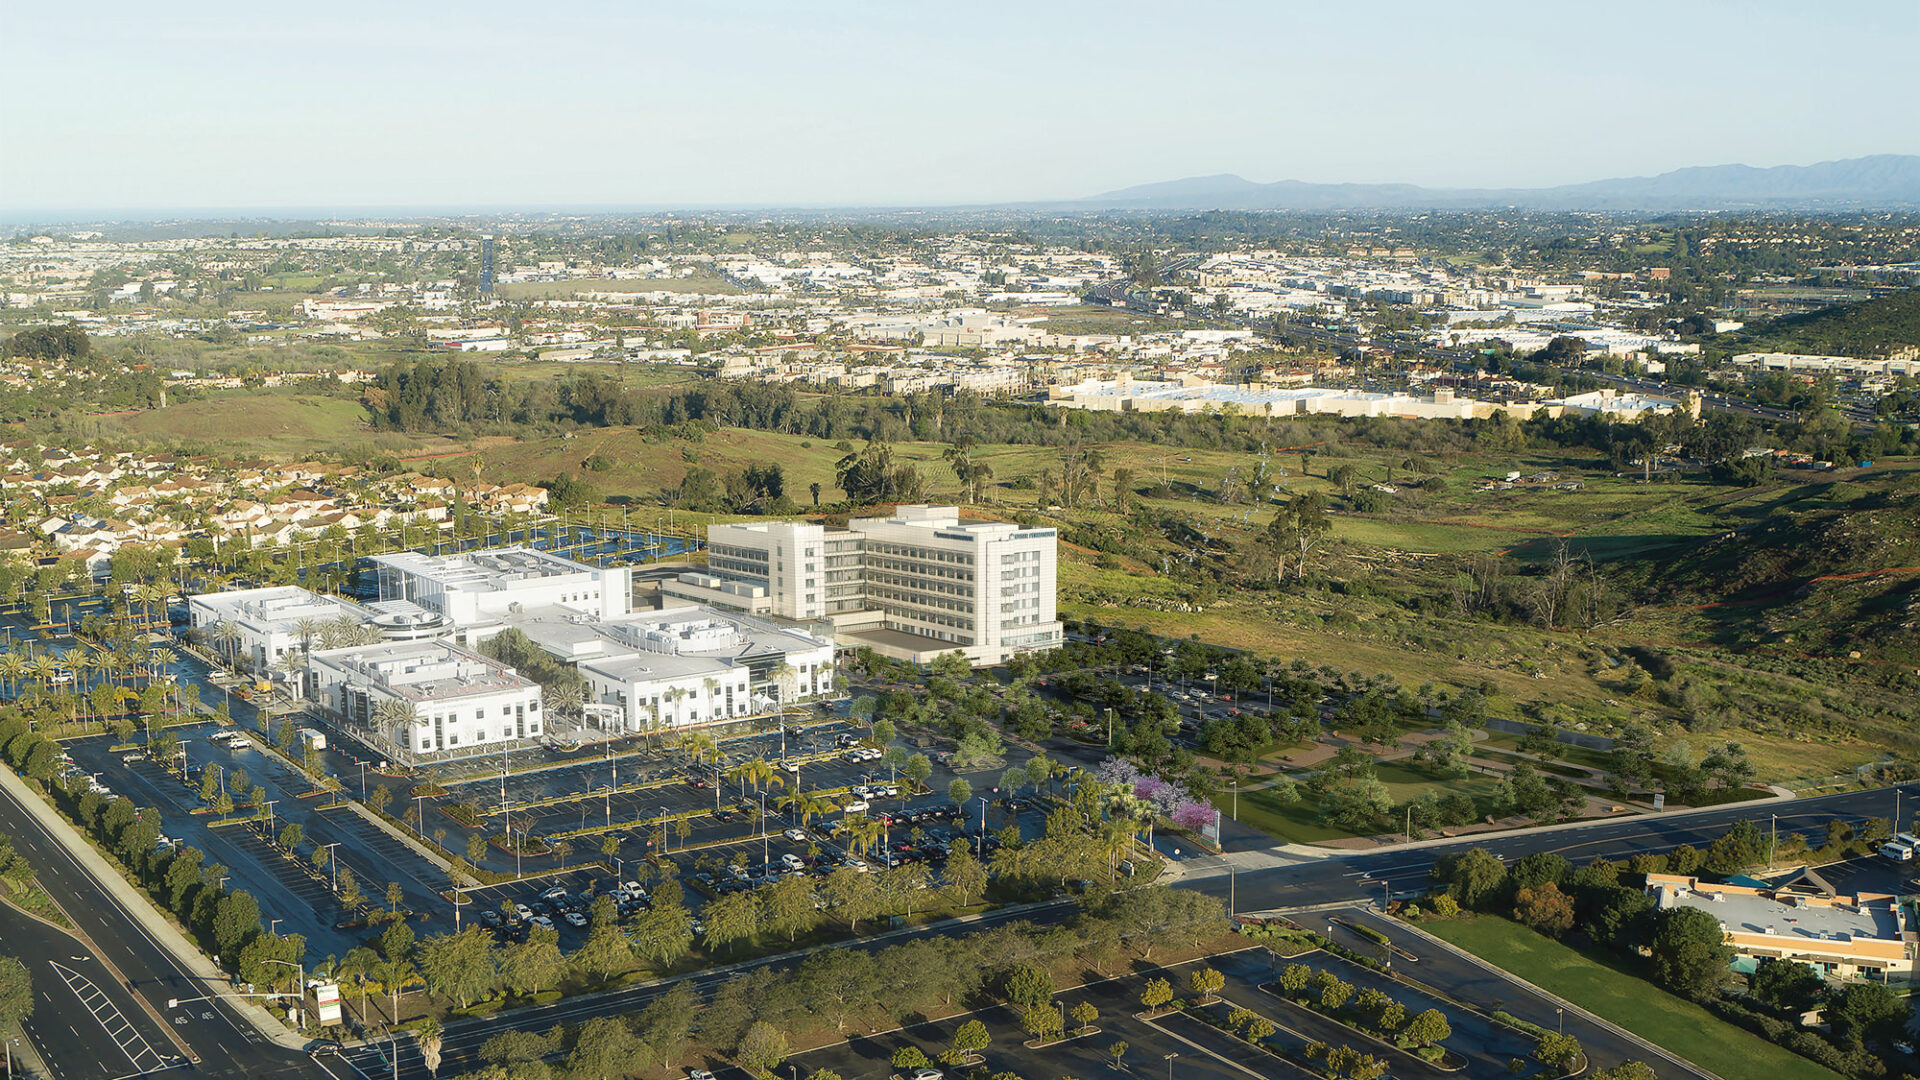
[[285, 890]]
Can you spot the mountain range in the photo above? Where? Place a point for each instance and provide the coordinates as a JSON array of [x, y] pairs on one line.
[[1880, 181]]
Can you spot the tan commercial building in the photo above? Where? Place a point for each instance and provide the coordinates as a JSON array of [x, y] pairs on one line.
[[1842, 937]]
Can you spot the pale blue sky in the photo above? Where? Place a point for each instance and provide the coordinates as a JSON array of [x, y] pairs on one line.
[[475, 103]]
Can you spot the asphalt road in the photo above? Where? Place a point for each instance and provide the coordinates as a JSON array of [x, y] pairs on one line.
[[227, 1046]]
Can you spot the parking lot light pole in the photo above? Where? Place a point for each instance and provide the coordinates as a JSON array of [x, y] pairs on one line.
[[333, 864], [766, 849], [363, 778], [299, 988], [270, 805], [1170, 1058], [981, 839]]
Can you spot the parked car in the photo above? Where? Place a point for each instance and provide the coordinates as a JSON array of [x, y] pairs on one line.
[[795, 835], [575, 919]]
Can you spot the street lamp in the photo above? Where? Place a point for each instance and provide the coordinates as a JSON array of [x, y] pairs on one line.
[[1560, 1015], [363, 778], [978, 851], [1170, 1058], [300, 988], [333, 864], [270, 806]]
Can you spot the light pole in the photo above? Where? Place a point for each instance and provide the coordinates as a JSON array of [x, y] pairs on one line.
[[300, 987], [270, 805], [1170, 1058], [978, 841], [363, 778], [1560, 1015], [333, 864], [1233, 877], [1234, 783], [766, 850]]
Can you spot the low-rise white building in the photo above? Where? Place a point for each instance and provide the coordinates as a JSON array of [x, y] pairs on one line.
[[483, 591], [687, 666], [256, 628], [452, 701]]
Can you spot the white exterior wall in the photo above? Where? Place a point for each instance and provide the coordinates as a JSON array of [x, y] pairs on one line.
[[677, 700], [500, 708], [987, 587], [795, 557]]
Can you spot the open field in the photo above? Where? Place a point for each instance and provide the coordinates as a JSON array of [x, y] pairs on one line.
[[269, 422], [1600, 984], [552, 290], [1300, 822]]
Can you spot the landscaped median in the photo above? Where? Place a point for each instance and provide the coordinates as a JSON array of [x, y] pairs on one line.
[[1624, 999]]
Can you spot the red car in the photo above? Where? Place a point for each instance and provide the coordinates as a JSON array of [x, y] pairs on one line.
[[697, 782]]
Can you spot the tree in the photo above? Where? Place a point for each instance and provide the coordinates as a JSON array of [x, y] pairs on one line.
[[1689, 950], [916, 771], [964, 874], [1860, 1012], [428, 1037], [459, 966], [1029, 987], [960, 792], [236, 921], [1156, 996], [1476, 877], [1207, 982], [349, 888], [1117, 1051], [733, 917], [1428, 1027], [1546, 909], [1557, 1050], [16, 991], [1043, 1023], [1787, 984], [665, 1026], [762, 1048], [603, 1050], [1084, 1014], [850, 894], [291, 836], [533, 965], [606, 952], [378, 799], [395, 897], [1630, 1070], [838, 982], [786, 906], [909, 1057], [970, 1039]]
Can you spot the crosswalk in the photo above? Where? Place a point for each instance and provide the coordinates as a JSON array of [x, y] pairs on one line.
[[140, 1053]]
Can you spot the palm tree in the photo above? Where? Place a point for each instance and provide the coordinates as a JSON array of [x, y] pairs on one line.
[[676, 695], [226, 638], [700, 746], [398, 717], [712, 686], [862, 833], [356, 968], [13, 666]]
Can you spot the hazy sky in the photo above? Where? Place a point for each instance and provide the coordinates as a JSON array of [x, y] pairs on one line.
[[812, 102]]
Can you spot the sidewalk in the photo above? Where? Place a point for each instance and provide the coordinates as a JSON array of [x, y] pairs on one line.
[[184, 952]]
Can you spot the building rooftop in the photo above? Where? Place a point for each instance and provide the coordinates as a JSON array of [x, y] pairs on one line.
[[1750, 911], [480, 571], [423, 671], [280, 606]]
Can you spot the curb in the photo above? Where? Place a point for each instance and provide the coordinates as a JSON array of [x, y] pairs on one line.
[[170, 940], [1558, 1001]]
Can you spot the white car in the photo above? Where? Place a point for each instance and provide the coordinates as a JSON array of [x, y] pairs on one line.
[[926, 1073], [795, 835], [575, 919], [699, 1074], [789, 766], [792, 862], [857, 806]]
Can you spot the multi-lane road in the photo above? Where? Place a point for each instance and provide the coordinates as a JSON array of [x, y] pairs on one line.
[[101, 1004]]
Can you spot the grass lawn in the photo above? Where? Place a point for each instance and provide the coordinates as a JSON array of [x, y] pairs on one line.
[[1595, 983], [1300, 822]]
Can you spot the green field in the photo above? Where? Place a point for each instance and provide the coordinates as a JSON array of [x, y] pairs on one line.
[[1300, 822], [1602, 985], [275, 422]]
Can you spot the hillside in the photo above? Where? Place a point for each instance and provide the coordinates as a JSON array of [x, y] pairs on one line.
[[1831, 569], [1864, 329]]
